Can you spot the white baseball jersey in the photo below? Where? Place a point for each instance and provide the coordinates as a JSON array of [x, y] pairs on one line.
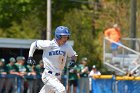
[[94, 73], [54, 56]]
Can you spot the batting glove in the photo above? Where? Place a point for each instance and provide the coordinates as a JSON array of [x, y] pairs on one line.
[[71, 63], [31, 61]]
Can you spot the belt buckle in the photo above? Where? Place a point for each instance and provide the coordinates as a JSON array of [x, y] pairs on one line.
[[57, 74], [50, 72]]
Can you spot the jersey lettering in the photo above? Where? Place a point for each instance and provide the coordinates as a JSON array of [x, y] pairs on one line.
[[57, 52]]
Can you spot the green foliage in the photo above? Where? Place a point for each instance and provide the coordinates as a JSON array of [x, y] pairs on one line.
[[12, 10], [28, 28], [60, 8], [85, 43], [22, 18]]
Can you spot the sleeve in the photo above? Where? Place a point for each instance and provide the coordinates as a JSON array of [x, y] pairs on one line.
[[32, 49], [39, 44], [70, 51], [91, 73], [99, 73]]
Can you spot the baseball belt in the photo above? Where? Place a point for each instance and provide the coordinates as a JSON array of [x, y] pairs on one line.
[[53, 73]]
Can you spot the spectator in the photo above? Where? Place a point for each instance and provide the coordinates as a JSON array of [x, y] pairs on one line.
[[11, 82], [31, 81], [22, 70], [114, 34], [3, 72], [93, 72], [73, 79], [84, 80], [39, 71]]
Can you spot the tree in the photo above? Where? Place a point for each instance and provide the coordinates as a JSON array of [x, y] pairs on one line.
[[85, 43], [22, 18]]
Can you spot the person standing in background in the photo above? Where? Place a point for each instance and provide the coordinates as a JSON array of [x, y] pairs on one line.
[[3, 72], [73, 77], [93, 72], [31, 81], [12, 70], [114, 34], [39, 70], [84, 80], [22, 71]]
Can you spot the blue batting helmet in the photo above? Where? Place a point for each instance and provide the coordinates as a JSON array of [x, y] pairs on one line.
[[60, 31]]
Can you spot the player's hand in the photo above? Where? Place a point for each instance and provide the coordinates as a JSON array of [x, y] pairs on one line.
[[31, 61], [71, 63]]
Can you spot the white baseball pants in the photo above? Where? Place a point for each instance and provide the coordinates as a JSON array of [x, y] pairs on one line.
[[52, 83]]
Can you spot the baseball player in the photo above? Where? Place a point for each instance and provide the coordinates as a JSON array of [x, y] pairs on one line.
[[55, 53], [11, 82]]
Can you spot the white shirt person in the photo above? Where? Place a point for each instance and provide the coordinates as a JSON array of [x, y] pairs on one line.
[[94, 71]]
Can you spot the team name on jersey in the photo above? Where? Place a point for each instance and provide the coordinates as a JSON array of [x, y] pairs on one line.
[[57, 52]]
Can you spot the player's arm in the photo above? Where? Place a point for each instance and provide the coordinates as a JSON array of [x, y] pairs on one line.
[[33, 47], [73, 60], [72, 55], [39, 44]]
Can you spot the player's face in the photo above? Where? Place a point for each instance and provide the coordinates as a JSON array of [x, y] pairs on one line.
[[63, 39]]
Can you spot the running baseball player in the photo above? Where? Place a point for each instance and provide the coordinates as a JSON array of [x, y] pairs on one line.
[[55, 53]]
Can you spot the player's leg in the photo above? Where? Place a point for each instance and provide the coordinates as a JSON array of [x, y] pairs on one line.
[[120, 43], [8, 85], [81, 81], [52, 84], [22, 85], [55, 84], [87, 85], [14, 85], [2, 81], [45, 89], [69, 86], [30, 86], [114, 48], [75, 85]]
